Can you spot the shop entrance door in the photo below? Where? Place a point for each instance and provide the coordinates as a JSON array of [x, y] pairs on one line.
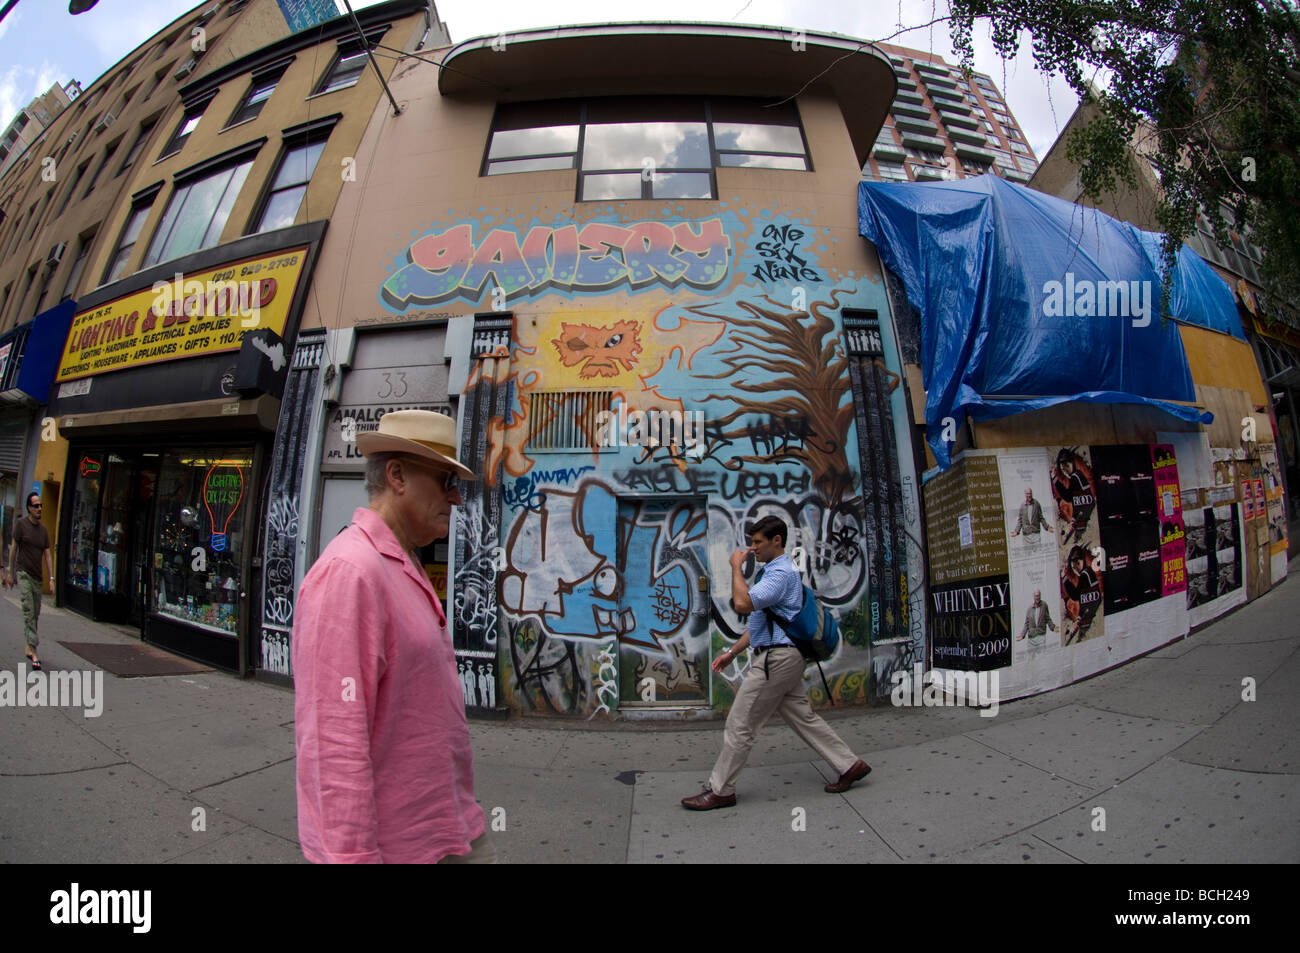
[[141, 538], [118, 563]]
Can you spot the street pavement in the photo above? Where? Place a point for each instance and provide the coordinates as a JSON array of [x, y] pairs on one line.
[[1158, 761]]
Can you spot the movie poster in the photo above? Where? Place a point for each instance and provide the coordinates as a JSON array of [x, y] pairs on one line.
[[1079, 547], [1030, 512]]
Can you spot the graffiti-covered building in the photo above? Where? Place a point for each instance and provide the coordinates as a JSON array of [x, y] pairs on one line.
[[626, 258]]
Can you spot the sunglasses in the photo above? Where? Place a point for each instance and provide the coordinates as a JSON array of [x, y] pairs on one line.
[[448, 477], [34, 506]]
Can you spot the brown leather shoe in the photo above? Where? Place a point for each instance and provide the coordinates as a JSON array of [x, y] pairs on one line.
[[859, 770], [708, 801]]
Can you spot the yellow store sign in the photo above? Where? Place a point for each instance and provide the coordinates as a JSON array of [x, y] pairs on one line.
[[193, 315]]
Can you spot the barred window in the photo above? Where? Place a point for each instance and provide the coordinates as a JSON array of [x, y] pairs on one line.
[[567, 420]]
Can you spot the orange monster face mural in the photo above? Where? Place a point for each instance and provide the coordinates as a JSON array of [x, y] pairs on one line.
[[600, 350]]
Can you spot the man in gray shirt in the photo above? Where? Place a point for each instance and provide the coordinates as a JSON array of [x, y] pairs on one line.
[[30, 562]]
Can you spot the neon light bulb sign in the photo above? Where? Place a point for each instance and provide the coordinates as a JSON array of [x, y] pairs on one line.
[[223, 488]]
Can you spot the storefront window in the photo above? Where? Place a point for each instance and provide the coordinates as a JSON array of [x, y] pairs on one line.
[[110, 559], [202, 505], [82, 560]]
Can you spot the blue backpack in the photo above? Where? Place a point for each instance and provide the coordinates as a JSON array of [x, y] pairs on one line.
[[813, 630]]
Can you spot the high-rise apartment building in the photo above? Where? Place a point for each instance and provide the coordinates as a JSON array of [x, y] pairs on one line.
[[944, 126], [31, 121]]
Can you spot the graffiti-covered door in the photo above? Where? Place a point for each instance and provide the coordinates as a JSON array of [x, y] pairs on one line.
[[663, 602]]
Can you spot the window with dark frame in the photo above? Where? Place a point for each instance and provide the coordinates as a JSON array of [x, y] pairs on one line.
[[279, 209], [36, 222], [67, 196], [189, 122], [161, 75], [262, 86], [197, 212], [146, 129], [78, 266], [31, 280], [99, 169], [130, 235], [349, 63], [645, 147]]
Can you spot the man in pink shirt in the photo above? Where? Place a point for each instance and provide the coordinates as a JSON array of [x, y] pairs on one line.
[[385, 771]]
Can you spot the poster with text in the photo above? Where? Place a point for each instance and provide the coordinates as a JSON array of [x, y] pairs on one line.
[[969, 595], [1169, 510]]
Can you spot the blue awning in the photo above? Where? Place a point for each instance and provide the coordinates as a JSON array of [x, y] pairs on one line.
[[34, 350]]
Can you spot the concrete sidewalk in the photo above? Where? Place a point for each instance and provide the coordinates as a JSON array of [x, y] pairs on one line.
[[1181, 767]]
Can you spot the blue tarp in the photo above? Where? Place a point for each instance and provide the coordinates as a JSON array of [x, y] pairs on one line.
[[1028, 301]]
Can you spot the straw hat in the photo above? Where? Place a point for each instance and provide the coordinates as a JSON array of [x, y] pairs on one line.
[[420, 433]]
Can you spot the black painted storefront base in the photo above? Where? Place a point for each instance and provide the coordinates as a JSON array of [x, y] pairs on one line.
[[219, 651]]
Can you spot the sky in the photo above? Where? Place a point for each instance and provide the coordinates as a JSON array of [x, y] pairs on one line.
[[41, 43]]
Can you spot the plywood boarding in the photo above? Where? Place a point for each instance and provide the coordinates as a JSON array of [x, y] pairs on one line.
[[1078, 424], [1229, 408], [1220, 360]]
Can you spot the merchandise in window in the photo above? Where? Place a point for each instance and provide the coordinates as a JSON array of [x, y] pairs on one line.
[[203, 500], [114, 518], [81, 566]]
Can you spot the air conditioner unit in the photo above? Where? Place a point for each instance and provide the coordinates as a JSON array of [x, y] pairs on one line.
[[186, 69], [105, 121], [56, 255]]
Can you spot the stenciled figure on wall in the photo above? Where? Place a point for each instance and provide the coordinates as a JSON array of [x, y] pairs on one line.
[[1081, 589], [1075, 492]]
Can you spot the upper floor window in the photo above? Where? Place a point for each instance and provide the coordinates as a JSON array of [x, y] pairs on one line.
[[645, 148], [130, 235], [284, 198], [74, 276], [197, 213], [349, 63], [189, 122], [99, 169], [145, 129], [263, 85]]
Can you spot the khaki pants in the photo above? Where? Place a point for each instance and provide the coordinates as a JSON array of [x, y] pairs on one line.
[[755, 703], [29, 591]]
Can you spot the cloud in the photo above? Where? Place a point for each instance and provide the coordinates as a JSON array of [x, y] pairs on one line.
[[7, 22], [14, 83]]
